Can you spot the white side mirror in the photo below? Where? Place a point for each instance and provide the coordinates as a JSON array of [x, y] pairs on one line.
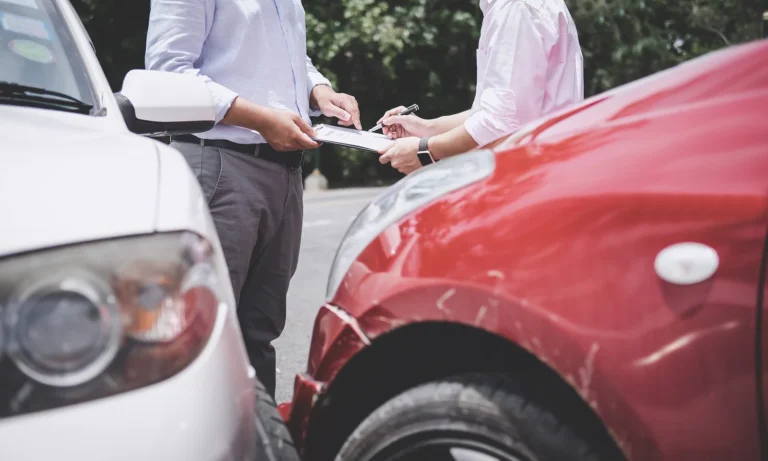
[[166, 103]]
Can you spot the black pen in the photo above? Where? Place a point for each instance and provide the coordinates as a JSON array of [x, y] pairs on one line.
[[408, 110]]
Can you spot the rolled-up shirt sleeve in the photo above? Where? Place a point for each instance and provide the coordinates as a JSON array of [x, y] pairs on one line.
[[175, 38], [514, 82], [315, 78]]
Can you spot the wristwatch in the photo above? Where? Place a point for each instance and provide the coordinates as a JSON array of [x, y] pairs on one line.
[[424, 156]]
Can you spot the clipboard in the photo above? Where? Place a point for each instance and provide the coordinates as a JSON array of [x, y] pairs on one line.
[[349, 137]]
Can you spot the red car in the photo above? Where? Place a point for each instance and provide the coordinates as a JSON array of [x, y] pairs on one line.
[[591, 289]]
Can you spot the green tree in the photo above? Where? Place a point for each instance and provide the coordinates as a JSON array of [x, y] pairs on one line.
[[400, 52]]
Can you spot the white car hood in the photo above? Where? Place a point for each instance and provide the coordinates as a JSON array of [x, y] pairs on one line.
[[62, 181]]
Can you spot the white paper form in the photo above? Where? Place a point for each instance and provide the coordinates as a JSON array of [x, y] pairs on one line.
[[352, 138]]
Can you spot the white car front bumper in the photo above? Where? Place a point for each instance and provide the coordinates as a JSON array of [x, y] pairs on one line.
[[207, 412]]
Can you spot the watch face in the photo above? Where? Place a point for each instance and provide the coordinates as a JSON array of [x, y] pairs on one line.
[[425, 158]]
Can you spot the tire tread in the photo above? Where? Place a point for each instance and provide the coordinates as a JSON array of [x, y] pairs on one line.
[[496, 400], [275, 439]]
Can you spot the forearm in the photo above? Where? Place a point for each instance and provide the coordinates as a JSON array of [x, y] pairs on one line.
[[446, 123], [315, 78], [453, 142], [244, 113]]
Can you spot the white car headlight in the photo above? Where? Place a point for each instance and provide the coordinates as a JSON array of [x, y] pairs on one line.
[[95, 319], [417, 189]]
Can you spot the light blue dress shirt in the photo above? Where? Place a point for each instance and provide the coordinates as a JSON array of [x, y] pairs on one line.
[[255, 49]]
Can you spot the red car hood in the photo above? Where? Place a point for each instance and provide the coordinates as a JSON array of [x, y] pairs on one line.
[[718, 74]]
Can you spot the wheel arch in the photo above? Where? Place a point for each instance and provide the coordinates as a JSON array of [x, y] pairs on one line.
[[420, 352]]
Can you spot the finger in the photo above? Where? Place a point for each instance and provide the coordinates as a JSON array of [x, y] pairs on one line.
[[391, 112], [396, 111], [304, 126], [351, 106], [305, 142], [354, 119], [386, 158], [395, 120], [396, 132], [332, 110]]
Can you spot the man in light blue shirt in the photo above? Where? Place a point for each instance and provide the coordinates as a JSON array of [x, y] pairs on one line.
[[252, 54]]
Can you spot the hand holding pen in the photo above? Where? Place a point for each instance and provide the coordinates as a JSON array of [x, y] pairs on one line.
[[399, 123]]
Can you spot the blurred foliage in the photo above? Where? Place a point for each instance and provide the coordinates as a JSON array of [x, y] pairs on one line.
[[401, 52]]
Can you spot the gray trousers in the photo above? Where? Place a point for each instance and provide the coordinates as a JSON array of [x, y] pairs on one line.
[[257, 208]]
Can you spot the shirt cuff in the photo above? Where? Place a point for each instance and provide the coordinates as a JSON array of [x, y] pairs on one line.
[[316, 78], [495, 118], [484, 129], [222, 98]]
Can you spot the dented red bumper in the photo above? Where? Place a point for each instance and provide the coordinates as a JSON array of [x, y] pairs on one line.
[[335, 339]]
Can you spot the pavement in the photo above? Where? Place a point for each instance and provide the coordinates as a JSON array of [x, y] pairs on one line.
[[327, 215]]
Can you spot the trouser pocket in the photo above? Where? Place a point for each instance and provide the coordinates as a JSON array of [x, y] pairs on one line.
[[205, 163]]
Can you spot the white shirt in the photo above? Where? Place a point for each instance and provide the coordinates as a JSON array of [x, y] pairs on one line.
[[529, 64], [256, 49]]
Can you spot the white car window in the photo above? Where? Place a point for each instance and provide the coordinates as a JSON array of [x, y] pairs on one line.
[[37, 50]]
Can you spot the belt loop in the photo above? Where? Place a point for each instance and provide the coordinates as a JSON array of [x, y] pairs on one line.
[[202, 142]]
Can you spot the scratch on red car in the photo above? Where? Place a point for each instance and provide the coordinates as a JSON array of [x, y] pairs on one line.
[[393, 322], [585, 374], [351, 321], [496, 274], [442, 299], [480, 315], [523, 339]]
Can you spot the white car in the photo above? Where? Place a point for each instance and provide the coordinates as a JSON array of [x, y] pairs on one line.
[[118, 332]]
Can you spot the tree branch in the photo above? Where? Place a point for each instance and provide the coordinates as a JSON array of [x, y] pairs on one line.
[[716, 32]]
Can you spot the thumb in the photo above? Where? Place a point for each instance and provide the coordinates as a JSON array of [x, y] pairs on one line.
[[332, 110], [385, 158], [304, 126]]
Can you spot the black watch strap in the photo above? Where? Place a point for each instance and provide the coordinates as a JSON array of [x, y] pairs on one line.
[[424, 145], [424, 156]]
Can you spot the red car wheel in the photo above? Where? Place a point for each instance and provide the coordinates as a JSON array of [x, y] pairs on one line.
[[478, 417]]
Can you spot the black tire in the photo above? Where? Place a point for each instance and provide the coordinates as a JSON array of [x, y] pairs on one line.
[[489, 412], [274, 439]]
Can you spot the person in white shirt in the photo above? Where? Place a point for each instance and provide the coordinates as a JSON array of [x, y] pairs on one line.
[[529, 64], [253, 56]]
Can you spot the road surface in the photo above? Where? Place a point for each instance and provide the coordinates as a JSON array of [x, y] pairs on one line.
[[326, 218]]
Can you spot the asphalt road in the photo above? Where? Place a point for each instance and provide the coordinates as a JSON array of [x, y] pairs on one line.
[[326, 218]]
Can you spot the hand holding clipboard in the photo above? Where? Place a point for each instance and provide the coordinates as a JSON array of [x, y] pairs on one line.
[[365, 140]]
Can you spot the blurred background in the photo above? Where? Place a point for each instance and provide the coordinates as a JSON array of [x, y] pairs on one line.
[[402, 52]]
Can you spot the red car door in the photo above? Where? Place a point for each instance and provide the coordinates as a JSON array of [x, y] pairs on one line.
[[694, 382]]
